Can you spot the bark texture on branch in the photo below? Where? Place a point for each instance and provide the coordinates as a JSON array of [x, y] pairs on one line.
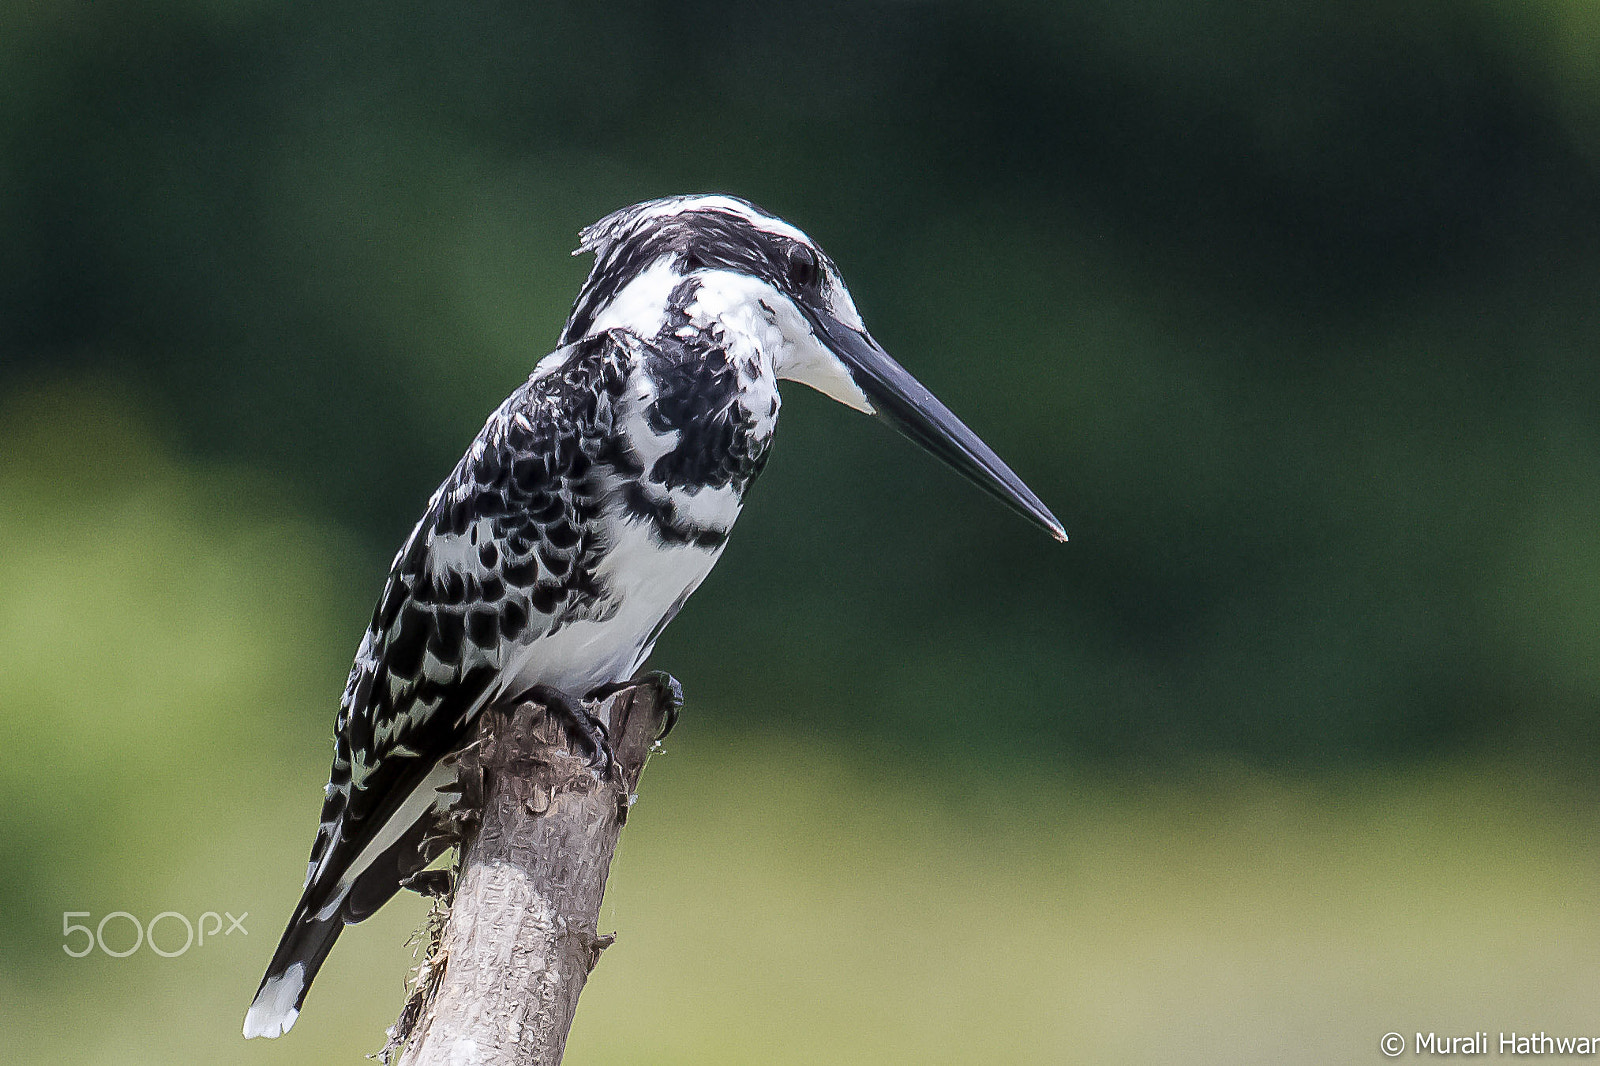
[[502, 984]]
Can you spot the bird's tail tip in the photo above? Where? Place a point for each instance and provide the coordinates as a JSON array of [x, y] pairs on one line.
[[276, 1006]]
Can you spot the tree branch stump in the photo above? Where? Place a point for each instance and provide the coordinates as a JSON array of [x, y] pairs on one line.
[[501, 985]]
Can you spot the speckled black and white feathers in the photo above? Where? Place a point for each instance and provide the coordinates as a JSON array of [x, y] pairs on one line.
[[512, 547], [555, 553], [723, 233], [593, 502], [699, 389], [506, 552]]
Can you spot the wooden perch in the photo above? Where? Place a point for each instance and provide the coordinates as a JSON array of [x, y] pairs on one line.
[[501, 984]]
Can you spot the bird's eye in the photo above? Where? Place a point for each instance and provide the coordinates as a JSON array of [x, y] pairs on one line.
[[802, 267]]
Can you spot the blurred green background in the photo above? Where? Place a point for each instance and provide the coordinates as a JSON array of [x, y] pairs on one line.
[[1289, 312]]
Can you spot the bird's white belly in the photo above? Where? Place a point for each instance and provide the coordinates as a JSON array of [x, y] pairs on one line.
[[646, 579]]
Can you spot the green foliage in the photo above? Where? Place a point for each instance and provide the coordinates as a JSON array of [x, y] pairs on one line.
[[1286, 310], [171, 642], [158, 624]]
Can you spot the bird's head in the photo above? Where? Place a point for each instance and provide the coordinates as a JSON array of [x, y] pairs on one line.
[[727, 264]]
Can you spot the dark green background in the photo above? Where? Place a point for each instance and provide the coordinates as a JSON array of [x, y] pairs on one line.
[[1288, 310]]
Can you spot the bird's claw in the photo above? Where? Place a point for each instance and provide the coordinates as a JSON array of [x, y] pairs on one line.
[[590, 729], [668, 690], [594, 736], [671, 693]]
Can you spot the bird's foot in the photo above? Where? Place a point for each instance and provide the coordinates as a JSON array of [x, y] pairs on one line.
[[589, 728], [668, 690]]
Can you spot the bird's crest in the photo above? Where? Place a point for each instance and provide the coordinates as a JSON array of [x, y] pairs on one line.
[[604, 235]]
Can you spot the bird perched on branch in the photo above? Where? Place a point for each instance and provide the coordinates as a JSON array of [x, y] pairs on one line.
[[595, 499]]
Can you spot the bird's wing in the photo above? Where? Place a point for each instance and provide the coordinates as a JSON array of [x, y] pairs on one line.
[[505, 552]]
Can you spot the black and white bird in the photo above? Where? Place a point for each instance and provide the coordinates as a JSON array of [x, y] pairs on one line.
[[595, 499]]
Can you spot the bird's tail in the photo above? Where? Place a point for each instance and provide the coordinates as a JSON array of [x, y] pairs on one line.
[[337, 895], [352, 873], [306, 942]]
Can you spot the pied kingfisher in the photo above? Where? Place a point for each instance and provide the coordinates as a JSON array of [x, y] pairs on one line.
[[593, 502]]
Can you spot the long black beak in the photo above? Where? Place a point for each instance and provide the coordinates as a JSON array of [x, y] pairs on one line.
[[902, 401]]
